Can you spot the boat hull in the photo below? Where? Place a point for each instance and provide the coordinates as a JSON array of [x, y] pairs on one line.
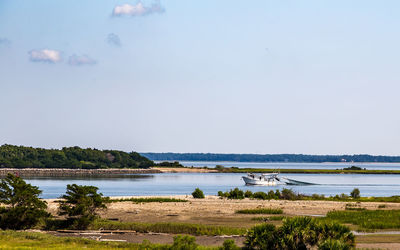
[[250, 181]]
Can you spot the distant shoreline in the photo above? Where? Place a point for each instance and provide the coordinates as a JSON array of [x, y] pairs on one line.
[[56, 172]]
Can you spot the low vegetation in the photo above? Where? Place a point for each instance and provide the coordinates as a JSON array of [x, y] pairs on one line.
[[148, 199], [198, 194], [300, 233], [167, 227], [261, 211], [30, 240], [289, 194], [367, 219]]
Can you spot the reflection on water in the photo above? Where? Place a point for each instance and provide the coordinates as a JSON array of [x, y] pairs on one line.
[[211, 183]]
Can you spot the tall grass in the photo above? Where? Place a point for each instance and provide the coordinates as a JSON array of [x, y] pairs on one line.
[[261, 211], [367, 219], [150, 199], [168, 227], [30, 240]]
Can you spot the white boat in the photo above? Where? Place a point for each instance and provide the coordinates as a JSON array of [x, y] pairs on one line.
[[272, 179], [261, 179]]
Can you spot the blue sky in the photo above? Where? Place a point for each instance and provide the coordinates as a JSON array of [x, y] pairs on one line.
[[315, 77]]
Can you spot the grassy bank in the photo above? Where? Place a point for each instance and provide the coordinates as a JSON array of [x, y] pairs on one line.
[[150, 199], [367, 219], [29, 240], [168, 227]]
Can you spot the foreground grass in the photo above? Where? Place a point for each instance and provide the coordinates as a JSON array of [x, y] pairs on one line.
[[261, 211], [150, 199], [367, 219], [168, 227], [29, 240]]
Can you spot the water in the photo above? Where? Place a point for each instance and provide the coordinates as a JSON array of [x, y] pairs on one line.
[[211, 183], [284, 165]]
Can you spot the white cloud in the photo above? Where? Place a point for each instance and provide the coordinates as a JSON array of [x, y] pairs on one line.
[[137, 9], [76, 60], [45, 55], [114, 40]]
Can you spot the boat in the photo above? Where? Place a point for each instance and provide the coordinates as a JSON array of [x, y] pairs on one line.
[[261, 179], [271, 179]]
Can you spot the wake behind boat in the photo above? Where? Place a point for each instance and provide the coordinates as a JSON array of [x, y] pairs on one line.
[[272, 179]]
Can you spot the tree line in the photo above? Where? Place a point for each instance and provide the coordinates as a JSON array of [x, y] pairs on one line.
[[268, 157], [69, 157]]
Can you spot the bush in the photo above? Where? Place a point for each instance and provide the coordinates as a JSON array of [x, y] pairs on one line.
[[81, 204], [184, 243], [260, 196], [331, 244], [248, 194], [198, 194], [288, 194], [229, 245], [262, 236], [300, 233], [24, 208], [355, 194], [236, 194]]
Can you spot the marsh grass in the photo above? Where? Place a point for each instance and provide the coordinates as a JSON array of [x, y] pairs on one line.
[[150, 199], [265, 219], [367, 219], [260, 211], [168, 227], [30, 240]]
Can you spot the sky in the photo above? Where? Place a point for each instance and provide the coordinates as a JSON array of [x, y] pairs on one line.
[[226, 76]]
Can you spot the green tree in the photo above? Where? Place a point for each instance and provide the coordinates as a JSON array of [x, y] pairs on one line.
[[81, 204], [24, 208], [355, 193]]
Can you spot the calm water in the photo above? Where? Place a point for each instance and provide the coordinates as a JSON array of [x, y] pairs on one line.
[[211, 183], [335, 165]]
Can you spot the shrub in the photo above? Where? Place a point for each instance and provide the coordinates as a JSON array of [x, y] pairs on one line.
[[24, 208], [262, 236], [229, 245], [331, 244], [236, 194], [184, 243], [299, 233], [288, 194], [248, 194], [81, 204], [198, 194], [355, 194], [260, 196]]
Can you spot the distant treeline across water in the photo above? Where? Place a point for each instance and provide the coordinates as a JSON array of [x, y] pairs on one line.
[[268, 157]]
